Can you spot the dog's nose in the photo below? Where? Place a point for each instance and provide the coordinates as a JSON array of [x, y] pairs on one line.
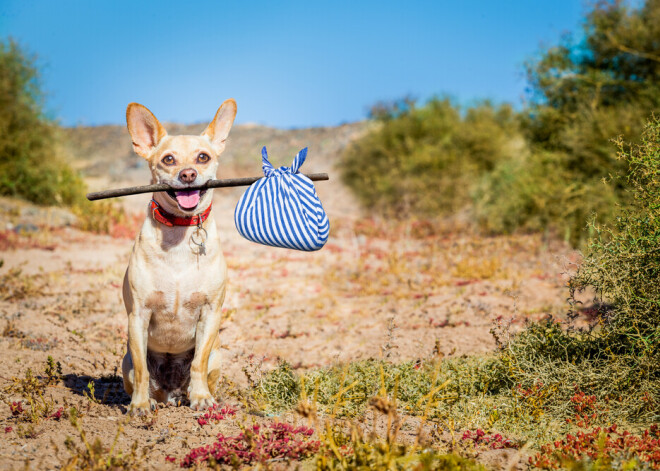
[[188, 175]]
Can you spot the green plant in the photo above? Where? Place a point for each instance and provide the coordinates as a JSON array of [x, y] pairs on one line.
[[32, 165], [31, 384], [358, 382], [53, 371], [616, 362], [624, 263], [423, 159], [360, 452], [90, 393]]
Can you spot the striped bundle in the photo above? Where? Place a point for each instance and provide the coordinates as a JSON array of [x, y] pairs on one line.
[[282, 209]]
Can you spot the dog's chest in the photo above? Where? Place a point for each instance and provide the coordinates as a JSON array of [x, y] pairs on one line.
[[174, 314], [177, 290]]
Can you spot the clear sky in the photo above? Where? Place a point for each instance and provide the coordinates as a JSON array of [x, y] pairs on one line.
[[287, 64]]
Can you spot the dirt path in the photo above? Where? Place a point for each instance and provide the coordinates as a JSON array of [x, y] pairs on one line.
[[375, 289]]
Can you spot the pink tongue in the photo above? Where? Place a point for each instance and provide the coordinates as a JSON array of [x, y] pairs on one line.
[[187, 199]]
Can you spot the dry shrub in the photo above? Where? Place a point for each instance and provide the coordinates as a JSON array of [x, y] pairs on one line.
[[94, 456], [15, 285], [104, 217]]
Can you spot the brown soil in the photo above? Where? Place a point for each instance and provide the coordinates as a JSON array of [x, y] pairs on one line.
[[377, 288]]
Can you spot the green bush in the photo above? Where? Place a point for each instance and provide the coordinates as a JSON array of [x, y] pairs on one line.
[[624, 265], [539, 193], [583, 93], [547, 168], [31, 159], [424, 159], [619, 359]]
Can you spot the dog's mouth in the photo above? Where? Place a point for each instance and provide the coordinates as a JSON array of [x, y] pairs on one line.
[[186, 199]]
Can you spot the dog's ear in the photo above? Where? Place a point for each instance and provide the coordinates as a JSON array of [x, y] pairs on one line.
[[144, 128], [219, 128]]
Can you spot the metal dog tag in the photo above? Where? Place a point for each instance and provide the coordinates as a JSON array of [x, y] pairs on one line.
[[201, 234]]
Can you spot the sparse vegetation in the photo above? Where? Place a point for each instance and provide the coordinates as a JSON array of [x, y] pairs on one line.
[[94, 456], [15, 285], [33, 407]]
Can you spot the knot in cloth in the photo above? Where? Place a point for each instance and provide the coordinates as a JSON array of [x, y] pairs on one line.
[[282, 209]]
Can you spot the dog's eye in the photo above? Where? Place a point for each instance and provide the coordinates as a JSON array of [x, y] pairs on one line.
[[168, 160], [203, 158]]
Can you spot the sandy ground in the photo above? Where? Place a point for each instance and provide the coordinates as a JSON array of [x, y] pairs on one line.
[[377, 288]]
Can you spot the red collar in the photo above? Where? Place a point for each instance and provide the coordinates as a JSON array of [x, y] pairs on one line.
[[172, 220]]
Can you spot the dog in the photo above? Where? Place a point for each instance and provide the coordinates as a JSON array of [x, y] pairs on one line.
[[176, 278]]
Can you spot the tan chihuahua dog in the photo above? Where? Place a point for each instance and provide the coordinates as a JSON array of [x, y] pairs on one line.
[[175, 283]]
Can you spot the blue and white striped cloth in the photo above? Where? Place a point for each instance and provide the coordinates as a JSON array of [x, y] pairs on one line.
[[282, 209]]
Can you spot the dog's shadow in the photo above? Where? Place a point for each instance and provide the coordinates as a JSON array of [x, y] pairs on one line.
[[108, 389]]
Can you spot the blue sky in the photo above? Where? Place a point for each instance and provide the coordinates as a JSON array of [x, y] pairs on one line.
[[287, 64]]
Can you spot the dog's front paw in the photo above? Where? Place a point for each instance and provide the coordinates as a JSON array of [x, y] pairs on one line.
[[138, 409], [201, 401]]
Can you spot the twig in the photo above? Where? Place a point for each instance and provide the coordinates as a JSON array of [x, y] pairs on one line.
[[225, 183]]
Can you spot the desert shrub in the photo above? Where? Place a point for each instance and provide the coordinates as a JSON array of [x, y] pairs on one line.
[[551, 378], [624, 264], [32, 158], [32, 165], [424, 159], [538, 193], [618, 360]]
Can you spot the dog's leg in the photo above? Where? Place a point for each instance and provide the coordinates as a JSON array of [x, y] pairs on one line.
[[128, 373], [206, 335], [214, 367], [138, 376]]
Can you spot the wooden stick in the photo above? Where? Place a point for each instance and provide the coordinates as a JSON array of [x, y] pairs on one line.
[[225, 183]]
